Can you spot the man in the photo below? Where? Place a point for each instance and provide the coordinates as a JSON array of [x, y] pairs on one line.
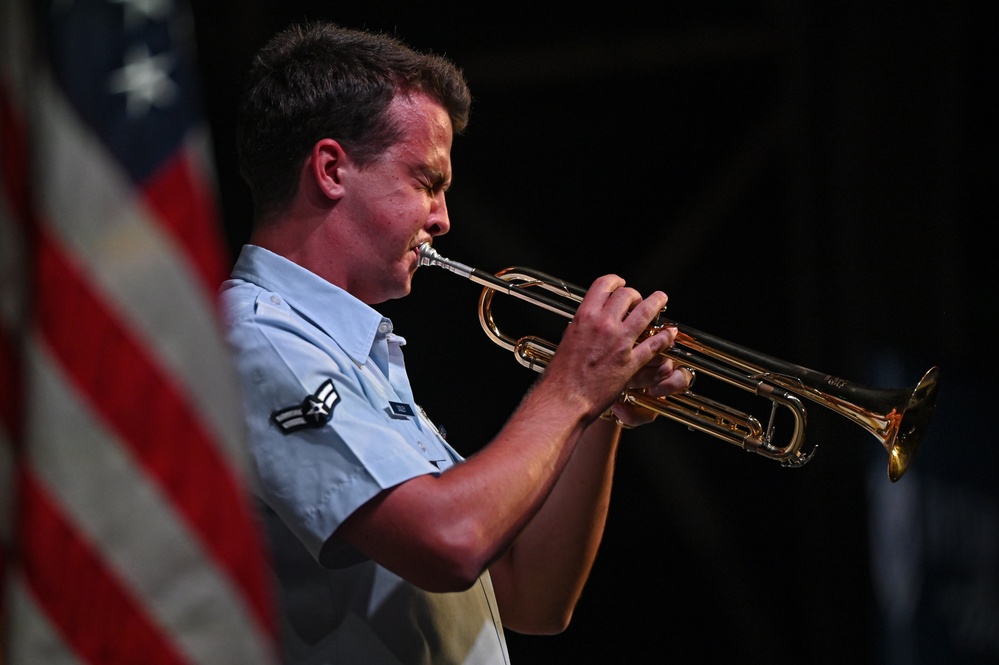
[[388, 547]]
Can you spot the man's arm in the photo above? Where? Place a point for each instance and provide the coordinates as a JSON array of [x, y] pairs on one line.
[[441, 532], [541, 577]]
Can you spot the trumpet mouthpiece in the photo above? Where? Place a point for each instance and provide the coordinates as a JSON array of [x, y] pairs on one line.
[[430, 257]]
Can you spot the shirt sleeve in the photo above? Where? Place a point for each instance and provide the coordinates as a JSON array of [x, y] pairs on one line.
[[321, 443]]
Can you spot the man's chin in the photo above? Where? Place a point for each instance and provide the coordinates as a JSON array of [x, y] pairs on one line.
[[400, 291], [402, 294]]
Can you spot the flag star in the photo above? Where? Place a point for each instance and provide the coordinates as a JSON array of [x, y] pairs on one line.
[[150, 10], [145, 80]]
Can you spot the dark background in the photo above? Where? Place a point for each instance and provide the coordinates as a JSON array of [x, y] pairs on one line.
[[812, 180]]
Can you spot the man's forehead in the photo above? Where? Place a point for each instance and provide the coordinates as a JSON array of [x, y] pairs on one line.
[[420, 108], [425, 136]]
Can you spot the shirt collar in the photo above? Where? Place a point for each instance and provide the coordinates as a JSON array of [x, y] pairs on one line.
[[353, 324]]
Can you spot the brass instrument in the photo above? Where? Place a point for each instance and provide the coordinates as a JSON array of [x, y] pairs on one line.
[[898, 418]]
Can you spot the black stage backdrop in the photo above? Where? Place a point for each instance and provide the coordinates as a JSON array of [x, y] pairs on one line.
[[808, 179]]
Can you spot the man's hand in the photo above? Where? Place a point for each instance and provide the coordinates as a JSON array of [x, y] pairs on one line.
[[659, 378], [599, 354]]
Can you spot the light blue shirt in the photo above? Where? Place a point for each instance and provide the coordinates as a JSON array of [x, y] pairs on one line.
[[332, 422]]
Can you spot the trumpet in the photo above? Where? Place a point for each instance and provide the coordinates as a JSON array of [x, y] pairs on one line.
[[897, 417]]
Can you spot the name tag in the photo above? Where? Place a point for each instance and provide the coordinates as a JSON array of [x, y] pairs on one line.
[[401, 410]]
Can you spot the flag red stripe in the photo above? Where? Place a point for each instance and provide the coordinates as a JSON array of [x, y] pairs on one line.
[[150, 413], [14, 158], [14, 179], [10, 395], [187, 210], [10, 428], [80, 594], [14, 189]]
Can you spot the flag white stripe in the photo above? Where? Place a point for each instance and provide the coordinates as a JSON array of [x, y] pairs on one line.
[[100, 487], [138, 268], [30, 637], [16, 43]]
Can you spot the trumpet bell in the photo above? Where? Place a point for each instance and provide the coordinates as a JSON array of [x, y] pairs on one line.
[[913, 423]]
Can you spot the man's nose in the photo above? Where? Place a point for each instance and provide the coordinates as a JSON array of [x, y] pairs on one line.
[[438, 222]]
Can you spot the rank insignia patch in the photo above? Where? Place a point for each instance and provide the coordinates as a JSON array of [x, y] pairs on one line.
[[315, 411]]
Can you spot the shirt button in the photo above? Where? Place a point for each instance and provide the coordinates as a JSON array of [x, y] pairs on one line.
[[276, 299], [384, 327]]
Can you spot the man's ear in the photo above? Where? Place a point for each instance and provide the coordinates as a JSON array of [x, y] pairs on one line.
[[327, 163]]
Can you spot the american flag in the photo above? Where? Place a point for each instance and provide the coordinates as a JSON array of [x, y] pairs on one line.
[[126, 532]]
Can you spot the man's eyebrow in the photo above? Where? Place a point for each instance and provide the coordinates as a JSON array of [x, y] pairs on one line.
[[437, 178]]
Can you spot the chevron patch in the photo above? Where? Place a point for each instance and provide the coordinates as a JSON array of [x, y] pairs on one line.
[[315, 411]]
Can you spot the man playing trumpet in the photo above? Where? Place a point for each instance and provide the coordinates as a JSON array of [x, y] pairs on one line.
[[388, 546]]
